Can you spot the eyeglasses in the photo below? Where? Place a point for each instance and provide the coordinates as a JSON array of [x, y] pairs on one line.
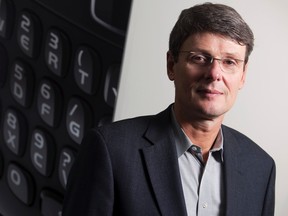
[[229, 65]]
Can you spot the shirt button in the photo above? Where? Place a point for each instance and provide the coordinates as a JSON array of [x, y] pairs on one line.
[[204, 205]]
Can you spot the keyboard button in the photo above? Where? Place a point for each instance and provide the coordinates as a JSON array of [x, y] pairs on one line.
[[42, 152], [67, 157], [87, 69], [21, 83], [111, 85], [4, 63], [6, 18], [51, 204], [21, 184], [49, 102], [28, 34], [78, 119], [15, 131], [56, 52]]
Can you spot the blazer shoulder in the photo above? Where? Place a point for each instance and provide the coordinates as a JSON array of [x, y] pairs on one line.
[[245, 144], [129, 125], [138, 124]]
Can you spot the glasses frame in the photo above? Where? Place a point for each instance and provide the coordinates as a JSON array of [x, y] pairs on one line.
[[212, 59]]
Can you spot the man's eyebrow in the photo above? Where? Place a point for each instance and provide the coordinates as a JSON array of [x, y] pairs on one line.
[[208, 52]]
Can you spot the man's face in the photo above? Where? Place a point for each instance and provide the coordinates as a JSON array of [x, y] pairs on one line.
[[206, 91]]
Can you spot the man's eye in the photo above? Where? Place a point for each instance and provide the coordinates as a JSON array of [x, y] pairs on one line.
[[198, 59], [229, 62]]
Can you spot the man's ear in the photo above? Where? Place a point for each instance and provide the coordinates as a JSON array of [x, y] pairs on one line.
[[170, 65]]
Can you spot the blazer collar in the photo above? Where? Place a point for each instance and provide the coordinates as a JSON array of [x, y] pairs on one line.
[[163, 169], [233, 172], [162, 165]]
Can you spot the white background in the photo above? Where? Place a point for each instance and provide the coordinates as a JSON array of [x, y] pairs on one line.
[[261, 109]]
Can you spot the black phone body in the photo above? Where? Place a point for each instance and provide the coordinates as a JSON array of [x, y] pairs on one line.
[[60, 63]]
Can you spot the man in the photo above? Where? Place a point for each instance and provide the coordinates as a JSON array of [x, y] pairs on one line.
[[182, 161]]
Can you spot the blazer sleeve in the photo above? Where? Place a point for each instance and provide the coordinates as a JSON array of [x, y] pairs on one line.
[[90, 189], [269, 202]]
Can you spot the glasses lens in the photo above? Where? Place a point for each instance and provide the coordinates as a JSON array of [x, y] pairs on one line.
[[228, 64]]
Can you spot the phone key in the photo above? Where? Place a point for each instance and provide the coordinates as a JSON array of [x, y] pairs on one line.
[[42, 152], [56, 52], [87, 69], [78, 119], [21, 184], [50, 204], [22, 83], [49, 102], [29, 34], [67, 157], [111, 85], [15, 131]]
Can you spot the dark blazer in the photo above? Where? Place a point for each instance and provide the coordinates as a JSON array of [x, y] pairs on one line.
[[131, 168]]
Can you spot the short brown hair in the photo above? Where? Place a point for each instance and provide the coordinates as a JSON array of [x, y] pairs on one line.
[[213, 18]]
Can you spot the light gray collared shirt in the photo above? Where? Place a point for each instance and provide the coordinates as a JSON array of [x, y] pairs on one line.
[[202, 184]]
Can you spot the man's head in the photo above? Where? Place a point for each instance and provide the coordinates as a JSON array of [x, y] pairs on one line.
[[207, 60], [211, 18]]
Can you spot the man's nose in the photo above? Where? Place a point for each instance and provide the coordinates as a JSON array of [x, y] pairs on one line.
[[214, 70]]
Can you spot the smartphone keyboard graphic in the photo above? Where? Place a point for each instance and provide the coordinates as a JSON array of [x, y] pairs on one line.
[[60, 63]]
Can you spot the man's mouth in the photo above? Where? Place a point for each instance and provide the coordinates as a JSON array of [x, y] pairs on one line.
[[207, 91]]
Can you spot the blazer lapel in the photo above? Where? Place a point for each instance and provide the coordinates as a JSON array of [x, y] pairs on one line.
[[162, 165], [233, 173]]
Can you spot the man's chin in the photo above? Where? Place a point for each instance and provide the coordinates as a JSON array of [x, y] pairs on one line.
[[211, 114]]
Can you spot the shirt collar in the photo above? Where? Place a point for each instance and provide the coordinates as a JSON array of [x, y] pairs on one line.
[[183, 143]]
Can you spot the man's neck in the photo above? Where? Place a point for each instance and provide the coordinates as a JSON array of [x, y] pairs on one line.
[[201, 132], [203, 137]]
